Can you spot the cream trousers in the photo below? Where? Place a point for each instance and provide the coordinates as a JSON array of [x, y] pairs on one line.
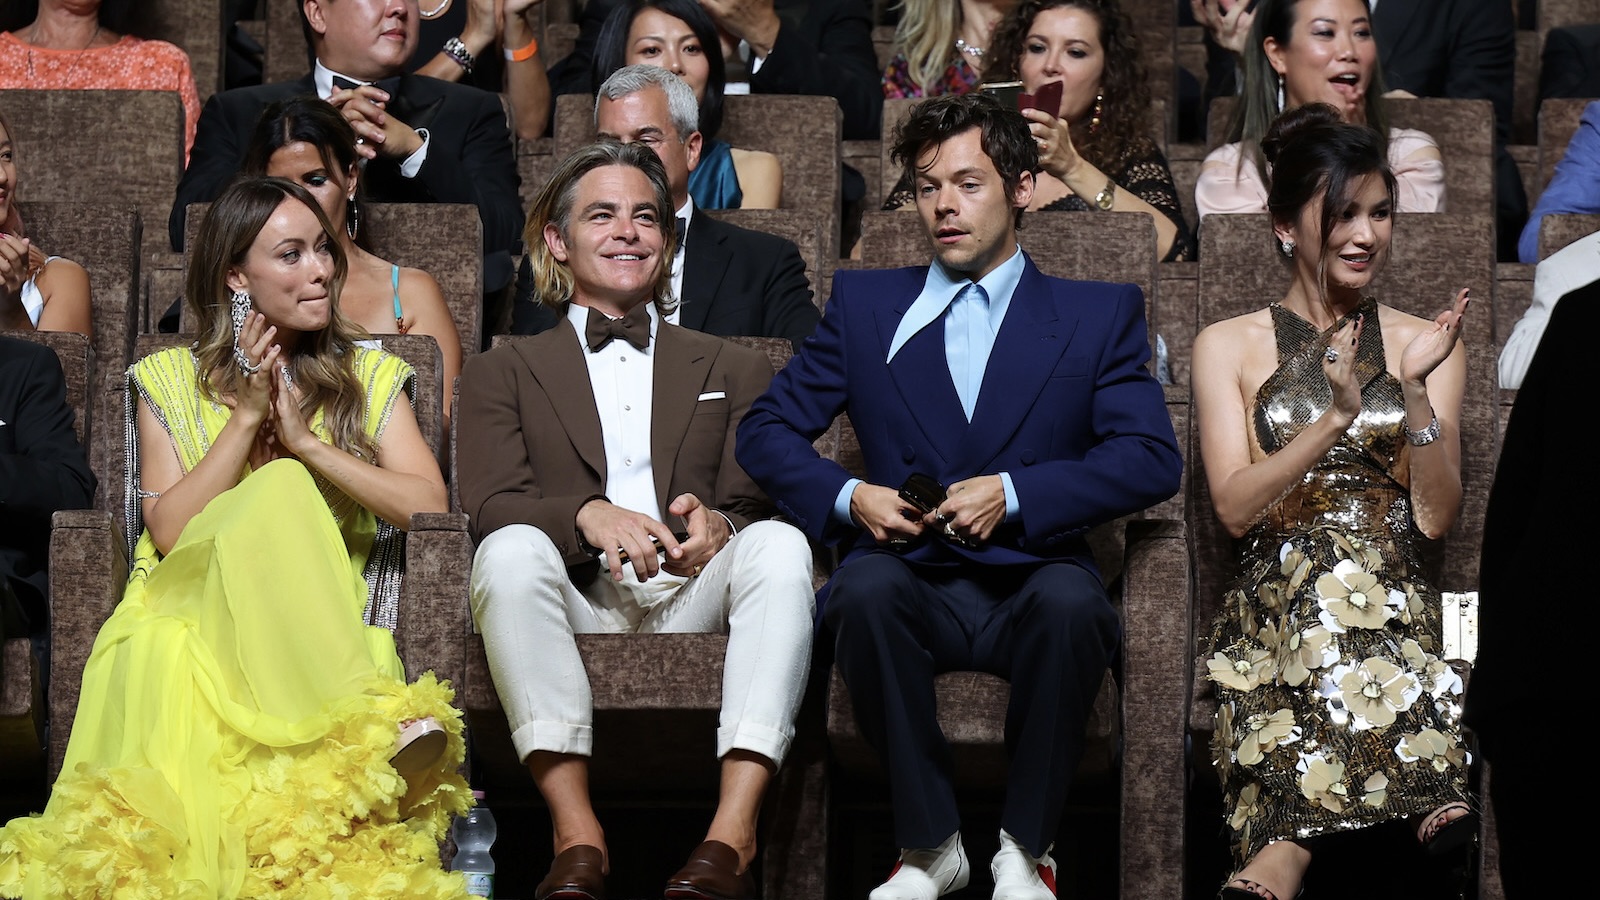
[[757, 590]]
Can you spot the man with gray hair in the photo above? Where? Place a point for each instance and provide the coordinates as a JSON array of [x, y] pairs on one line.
[[728, 280]]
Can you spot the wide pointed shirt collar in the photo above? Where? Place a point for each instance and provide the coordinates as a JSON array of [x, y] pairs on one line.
[[940, 290]]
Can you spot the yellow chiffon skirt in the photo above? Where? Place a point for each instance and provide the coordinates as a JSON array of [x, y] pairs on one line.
[[235, 727]]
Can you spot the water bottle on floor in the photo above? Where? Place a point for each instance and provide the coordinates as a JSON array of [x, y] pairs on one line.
[[474, 833]]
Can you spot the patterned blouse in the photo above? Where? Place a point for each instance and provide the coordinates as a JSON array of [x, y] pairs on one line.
[[958, 78], [131, 64], [1141, 170]]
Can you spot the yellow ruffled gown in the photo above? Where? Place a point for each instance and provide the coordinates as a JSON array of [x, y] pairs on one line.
[[237, 717]]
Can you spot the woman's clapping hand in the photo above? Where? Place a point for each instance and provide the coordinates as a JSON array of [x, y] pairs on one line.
[[1433, 345]]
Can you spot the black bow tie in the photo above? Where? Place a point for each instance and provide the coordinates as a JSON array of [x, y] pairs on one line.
[[681, 225], [633, 328], [390, 86]]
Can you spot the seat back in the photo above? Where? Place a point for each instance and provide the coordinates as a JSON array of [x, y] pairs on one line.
[[195, 26], [443, 239], [63, 148], [1556, 232], [287, 57], [1558, 122], [104, 239]]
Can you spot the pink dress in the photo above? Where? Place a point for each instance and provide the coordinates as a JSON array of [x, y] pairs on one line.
[[1227, 187], [131, 64]]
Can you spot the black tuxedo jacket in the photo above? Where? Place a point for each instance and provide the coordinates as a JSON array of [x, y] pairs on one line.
[[42, 467], [736, 282], [824, 49], [470, 157]]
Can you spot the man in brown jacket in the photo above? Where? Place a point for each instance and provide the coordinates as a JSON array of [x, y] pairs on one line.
[[578, 447]]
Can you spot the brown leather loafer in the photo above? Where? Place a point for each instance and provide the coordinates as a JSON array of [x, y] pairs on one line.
[[712, 873], [577, 873]]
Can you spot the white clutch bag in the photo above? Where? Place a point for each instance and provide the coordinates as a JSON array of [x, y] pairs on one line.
[[1460, 625]]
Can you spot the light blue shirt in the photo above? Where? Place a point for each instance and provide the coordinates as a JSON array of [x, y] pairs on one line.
[[973, 312]]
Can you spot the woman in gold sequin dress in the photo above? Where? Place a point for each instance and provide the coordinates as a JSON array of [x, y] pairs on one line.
[[1329, 431]]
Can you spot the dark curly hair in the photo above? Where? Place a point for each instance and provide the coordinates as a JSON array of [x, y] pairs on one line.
[[611, 50], [1005, 136], [1124, 120]]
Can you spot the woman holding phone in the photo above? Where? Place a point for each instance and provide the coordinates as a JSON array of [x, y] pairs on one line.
[[1094, 143]]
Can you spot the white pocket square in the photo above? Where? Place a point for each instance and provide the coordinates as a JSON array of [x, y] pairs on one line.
[[713, 395]]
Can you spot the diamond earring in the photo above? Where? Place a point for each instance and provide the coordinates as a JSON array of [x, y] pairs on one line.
[[1287, 248]]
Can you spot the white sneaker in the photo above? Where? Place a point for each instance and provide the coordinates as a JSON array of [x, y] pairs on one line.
[[926, 874], [1018, 876]]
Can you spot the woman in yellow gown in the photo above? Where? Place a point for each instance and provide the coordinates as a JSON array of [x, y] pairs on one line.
[[239, 730]]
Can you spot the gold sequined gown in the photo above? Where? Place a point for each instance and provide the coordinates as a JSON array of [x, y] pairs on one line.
[[1334, 711]]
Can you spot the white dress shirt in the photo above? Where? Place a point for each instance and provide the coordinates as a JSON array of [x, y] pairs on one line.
[[623, 381], [686, 213]]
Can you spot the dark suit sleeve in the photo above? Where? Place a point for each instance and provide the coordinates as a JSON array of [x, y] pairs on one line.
[[1571, 64], [1135, 463], [45, 468], [497, 482], [828, 53], [749, 375], [787, 310], [775, 436], [219, 145], [570, 74]]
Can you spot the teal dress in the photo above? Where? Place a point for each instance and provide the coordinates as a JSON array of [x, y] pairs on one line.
[[714, 184]]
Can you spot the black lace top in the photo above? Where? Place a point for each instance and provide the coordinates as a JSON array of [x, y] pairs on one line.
[[1141, 170]]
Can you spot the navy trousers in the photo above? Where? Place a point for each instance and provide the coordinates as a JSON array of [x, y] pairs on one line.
[[1049, 630]]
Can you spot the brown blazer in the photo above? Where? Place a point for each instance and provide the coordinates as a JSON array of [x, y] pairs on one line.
[[529, 445]]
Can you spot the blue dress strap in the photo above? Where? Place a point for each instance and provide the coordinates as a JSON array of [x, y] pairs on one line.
[[399, 314], [714, 184]]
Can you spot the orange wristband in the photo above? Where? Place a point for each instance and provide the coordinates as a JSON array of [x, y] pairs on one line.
[[526, 53]]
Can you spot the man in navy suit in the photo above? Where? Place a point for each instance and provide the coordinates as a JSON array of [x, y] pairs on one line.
[[1028, 399]]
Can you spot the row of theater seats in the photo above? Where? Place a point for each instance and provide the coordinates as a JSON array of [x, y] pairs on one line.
[[665, 689]]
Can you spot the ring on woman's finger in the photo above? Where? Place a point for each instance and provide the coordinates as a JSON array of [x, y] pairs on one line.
[[245, 365], [1331, 355]]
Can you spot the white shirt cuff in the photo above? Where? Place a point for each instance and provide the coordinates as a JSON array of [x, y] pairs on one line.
[[413, 163]]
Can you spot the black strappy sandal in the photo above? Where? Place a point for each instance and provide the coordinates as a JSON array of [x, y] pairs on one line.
[[1450, 835], [1229, 892]]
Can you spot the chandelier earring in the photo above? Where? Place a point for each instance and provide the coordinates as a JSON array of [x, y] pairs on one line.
[[1280, 93], [1094, 120], [1286, 247], [238, 310]]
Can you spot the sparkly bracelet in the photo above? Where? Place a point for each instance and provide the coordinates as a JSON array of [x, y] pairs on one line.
[[526, 53], [1425, 436], [458, 52]]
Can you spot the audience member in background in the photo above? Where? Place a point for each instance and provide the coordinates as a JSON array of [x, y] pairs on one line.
[[679, 36], [1095, 151], [1536, 547], [83, 45], [1330, 430], [1313, 51], [489, 44], [1575, 186], [37, 292], [42, 469], [578, 463], [239, 732], [424, 140], [940, 46], [306, 141], [1017, 409], [726, 280], [1570, 64], [1461, 49], [1574, 266], [819, 48]]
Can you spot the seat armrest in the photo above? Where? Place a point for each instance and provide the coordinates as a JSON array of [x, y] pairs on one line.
[[88, 570], [1155, 696], [431, 634]]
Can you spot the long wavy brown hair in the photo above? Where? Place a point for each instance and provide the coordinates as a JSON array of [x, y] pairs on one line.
[[323, 362], [1125, 111]]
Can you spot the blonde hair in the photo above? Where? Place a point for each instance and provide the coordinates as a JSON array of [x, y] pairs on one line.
[[927, 36], [323, 361], [553, 284]]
